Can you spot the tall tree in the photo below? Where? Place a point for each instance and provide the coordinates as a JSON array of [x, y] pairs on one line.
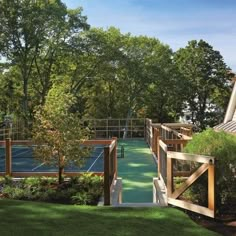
[[30, 32], [10, 91], [164, 96], [207, 80]]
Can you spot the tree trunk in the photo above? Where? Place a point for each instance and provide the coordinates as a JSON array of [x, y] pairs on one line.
[[60, 172], [60, 169], [25, 98]]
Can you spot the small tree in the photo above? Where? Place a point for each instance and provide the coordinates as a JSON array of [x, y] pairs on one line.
[[59, 133]]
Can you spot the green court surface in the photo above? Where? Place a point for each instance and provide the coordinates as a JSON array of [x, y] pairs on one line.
[[137, 170]]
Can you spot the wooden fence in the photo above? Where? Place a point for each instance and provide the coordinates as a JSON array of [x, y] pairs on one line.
[[167, 142], [110, 163], [207, 164]]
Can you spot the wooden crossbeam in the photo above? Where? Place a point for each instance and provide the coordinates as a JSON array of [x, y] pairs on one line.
[[191, 157], [166, 128], [175, 141], [48, 174], [86, 142], [177, 125], [191, 179], [192, 207], [211, 187]]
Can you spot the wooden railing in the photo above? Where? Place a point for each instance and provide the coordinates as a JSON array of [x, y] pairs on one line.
[[162, 161], [186, 131], [207, 164], [167, 142], [166, 174], [110, 164], [110, 170]]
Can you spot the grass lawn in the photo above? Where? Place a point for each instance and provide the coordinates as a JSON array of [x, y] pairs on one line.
[[32, 218]]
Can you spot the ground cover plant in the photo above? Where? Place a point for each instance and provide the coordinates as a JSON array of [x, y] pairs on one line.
[[83, 190], [34, 218]]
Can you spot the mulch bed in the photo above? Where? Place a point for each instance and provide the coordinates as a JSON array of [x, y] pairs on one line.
[[224, 224]]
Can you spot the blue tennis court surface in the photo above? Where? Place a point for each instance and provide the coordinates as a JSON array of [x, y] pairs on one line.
[[23, 161]]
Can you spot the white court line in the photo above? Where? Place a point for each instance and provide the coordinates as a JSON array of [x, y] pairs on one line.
[[94, 162], [2, 160], [27, 152], [15, 155], [35, 168]]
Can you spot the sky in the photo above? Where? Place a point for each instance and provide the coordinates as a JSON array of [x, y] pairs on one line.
[[173, 22]]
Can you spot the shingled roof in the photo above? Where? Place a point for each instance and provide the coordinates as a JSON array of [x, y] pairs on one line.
[[229, 127]]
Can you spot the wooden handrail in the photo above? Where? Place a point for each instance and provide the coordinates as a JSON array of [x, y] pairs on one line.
[[191, 157]]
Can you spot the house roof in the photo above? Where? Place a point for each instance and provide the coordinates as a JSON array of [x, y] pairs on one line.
[[229, 124], [229, 127]]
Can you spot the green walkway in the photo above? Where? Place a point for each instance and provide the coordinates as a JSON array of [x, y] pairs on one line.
[[137, 170]]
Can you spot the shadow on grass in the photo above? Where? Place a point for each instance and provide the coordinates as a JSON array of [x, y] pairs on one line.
[[28, 218]]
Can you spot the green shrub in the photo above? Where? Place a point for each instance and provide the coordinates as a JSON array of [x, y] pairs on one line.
[[2, 179], [32, 181], [13, 192], [84, 189], [222, 146], [7, 180], [81, 198]]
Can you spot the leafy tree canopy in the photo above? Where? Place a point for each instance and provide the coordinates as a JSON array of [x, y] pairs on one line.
[[206, 78]]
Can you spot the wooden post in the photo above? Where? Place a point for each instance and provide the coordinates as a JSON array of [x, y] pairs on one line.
[[211, 187], [152, 138], [169, 177], [115, 157], [107, 194], [184, 145], [159, 158], [8, 164], [154, 141], [144, 130], [157, 142]]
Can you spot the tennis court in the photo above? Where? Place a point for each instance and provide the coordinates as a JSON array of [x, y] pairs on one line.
[[23, 161]]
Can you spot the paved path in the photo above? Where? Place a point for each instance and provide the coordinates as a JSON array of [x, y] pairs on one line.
[[137, 170]]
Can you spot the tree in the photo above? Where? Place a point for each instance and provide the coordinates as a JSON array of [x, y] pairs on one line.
[[206, 80], [9, 92], [103, 63], [127, 67], [59, 133], [163, 98], [32, 32]]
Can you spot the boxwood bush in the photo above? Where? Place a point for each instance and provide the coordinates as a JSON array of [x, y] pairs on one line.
[[222, 146]]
